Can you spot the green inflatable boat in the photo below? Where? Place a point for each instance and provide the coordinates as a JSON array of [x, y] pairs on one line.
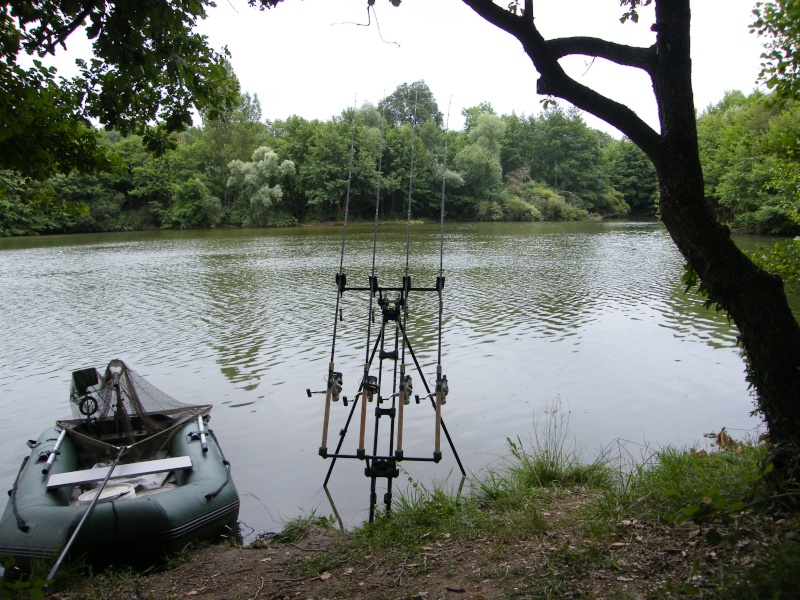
[[169, 484]]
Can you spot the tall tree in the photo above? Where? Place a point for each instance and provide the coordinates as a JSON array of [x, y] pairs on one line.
[[260, 182], [471, 113], [409, 100], [633, 175], [566, 154], [149, 69], [479, 164]]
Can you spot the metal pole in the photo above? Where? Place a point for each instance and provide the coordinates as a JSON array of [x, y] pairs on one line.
[[52, 574]]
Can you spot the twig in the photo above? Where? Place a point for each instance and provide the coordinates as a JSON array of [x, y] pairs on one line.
[[400, 575], [306, 549], [288, 580], [768, 498], [259, 589]]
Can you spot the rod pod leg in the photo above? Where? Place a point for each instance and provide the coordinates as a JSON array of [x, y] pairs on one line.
[[437, 449], [401, 401]]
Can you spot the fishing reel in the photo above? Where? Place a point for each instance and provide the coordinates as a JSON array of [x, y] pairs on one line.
[[335, 385], [370, 387], [444, 388], [408, 389]]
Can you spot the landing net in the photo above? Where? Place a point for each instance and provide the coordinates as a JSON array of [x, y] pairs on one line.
[[120, 408]]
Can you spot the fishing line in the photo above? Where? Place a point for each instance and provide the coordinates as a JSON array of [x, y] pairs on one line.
[[340, 276], [440, 280], [373, 284], [411, 184], [407, 278]]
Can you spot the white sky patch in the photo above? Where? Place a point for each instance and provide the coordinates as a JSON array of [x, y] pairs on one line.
[[313, 58]]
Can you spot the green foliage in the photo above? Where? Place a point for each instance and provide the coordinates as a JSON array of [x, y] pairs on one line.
[[259, 183], [149, 71], [409, 101], [676, 485], [749, 151], [299, 528], [471, 113], [479, 161], [516, 209], [421, 516], [783, 259], [779, 22], [548, 204], [548, 459], [509, 167], [632, 14], [193, 206], [633, 175], [15, 584], [558, 148]]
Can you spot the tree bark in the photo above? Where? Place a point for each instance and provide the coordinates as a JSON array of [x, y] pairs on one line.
[[755, 300]]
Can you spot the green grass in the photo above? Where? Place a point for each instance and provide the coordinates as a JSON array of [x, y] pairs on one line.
[[504, 503], [678, 484], [717, 491], [299, 528]]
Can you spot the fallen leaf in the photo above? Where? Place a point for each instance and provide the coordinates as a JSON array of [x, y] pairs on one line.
[[325, 576]]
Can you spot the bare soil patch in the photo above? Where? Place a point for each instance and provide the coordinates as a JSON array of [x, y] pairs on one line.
[[633, 560]]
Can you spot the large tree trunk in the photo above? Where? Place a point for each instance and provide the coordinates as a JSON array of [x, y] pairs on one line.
[[755, 300]]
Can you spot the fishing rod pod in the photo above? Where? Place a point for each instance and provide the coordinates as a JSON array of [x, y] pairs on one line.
[[392, 349]]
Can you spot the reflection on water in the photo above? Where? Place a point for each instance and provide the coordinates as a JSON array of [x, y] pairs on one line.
[[593, 314]]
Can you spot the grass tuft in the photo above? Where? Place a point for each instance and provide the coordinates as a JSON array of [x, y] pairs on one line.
[[302, 527]]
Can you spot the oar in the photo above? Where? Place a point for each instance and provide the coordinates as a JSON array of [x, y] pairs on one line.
[[54, 452], [52, 574], [202, 431]]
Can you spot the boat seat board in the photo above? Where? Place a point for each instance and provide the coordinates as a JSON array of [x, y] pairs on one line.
[[175, 463]]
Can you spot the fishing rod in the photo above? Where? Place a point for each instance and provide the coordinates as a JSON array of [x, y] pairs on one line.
[[406, 384], [335, 378], [442, 388], [373, 285]]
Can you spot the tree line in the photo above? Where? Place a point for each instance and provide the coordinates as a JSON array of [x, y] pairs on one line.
[[239, 170]]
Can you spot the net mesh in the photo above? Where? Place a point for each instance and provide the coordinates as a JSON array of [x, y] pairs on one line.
[[121, 408]]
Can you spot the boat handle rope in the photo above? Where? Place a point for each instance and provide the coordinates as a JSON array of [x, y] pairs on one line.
[[225, 462], [21, 524]]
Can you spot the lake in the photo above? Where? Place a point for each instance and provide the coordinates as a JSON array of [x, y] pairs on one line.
[[585, 319]]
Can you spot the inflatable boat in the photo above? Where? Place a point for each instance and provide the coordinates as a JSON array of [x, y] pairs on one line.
[[133, 476]]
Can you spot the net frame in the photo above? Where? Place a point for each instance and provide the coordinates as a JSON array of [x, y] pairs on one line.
[[121, 408]]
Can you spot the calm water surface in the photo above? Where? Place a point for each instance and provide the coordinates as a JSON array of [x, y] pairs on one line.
[[588, 316]]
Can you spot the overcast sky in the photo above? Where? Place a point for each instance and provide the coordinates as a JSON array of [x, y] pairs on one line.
[[312, 58], [315, 58]]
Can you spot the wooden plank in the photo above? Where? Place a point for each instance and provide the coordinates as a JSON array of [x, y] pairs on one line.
[[130, 470]]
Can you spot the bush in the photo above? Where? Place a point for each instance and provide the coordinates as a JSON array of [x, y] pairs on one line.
[[517, 209]]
